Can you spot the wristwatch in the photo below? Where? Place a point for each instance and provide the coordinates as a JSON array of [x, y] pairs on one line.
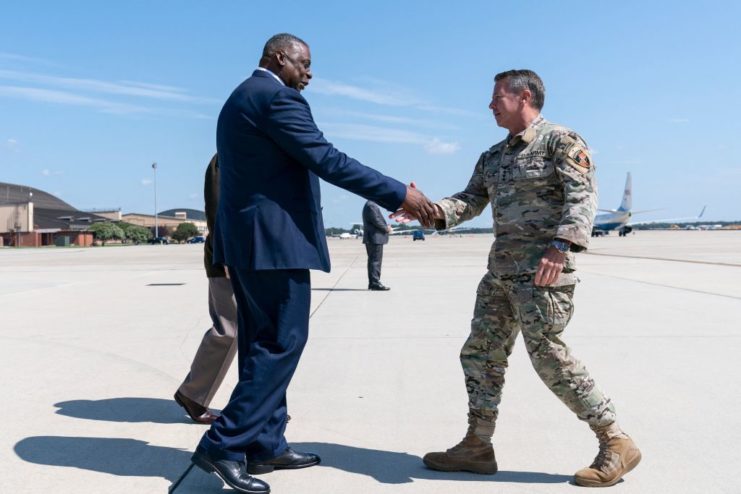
[[562, 246]]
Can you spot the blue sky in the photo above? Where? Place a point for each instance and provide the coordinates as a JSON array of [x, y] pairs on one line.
[[91, 93]]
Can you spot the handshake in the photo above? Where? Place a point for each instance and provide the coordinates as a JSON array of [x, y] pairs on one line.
[[417, 206]]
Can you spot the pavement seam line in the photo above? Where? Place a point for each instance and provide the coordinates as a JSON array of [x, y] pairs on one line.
[[347, 269], [662, 285], [176, 484], [689, 261]]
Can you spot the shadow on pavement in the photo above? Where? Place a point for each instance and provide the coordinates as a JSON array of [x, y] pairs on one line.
[[122, 457], [339, 289], [154, 410], [130, 457], [390, 467]]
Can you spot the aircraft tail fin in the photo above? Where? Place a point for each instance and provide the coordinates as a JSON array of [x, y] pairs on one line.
[[627, 202]]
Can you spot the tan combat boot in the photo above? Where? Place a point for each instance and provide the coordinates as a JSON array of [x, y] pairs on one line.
[[473, 454], [617, 456]]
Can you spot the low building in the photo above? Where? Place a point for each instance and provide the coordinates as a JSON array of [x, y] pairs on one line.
[[111, 214], [30, 217], [169, 219]]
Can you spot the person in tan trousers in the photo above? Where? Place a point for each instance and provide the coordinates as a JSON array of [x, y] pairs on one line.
[[219, 344]]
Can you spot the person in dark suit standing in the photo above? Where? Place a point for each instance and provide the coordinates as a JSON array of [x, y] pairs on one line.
[[269, 233], [219, 344], [375, 235]]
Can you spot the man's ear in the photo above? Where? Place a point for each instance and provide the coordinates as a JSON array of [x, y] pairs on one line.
[[280, 58], [527, 96]]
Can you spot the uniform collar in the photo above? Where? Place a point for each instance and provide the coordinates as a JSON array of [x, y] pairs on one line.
[[528, 135]]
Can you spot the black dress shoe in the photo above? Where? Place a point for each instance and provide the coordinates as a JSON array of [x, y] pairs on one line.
[[378, 287], [233, 473], [289, 460], [197, 412]]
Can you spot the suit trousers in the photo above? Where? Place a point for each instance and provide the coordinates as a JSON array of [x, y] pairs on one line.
[[218, 346], [375, 258], [273, 314]]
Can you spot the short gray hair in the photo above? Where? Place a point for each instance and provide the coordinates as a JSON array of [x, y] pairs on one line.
[[280, 42], [518, 80]]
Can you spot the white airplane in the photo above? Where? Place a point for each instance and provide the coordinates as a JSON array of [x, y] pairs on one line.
[[355, 232], [619, 219], [709, 227]]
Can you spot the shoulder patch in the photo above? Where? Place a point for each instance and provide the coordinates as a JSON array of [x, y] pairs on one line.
[[578, 157]]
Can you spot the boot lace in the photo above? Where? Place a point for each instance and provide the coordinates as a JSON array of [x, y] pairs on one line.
[[599, 460]]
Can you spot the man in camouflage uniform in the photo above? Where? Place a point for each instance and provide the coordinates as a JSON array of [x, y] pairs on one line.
[[541, 186]]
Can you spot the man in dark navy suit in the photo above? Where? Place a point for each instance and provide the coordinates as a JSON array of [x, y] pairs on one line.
[[269, 232], [375, 236]]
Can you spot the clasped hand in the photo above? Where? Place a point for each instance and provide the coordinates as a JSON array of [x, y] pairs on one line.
[[417, 206]]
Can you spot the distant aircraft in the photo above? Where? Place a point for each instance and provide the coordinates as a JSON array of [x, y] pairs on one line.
[[709, 227], [616, 219], [355, 232], [619, 219]]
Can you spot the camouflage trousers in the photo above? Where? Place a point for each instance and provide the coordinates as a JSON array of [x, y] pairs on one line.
[[504, 307]]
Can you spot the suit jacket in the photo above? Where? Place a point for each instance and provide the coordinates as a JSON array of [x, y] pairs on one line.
[[211, 199], [374, 225], [271, 156]]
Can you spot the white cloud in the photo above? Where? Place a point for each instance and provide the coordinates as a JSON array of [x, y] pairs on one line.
[[449, 111], [66, 98], [14, 57], [102, 105], [436, 146], [48, 173], [678, 120], [323, 86], [146, 182], [386, 96], [157, 87], [11, 144], [115, 97], [393, 119], [126, 88], [371, 133], [194, 195]]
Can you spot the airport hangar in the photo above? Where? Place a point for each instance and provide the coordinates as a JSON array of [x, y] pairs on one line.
[[31, 217]]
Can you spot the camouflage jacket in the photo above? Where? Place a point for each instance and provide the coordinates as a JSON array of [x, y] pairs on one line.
[[541, 185]]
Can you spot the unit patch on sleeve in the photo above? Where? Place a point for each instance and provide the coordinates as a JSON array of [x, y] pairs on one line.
[[578, 157]]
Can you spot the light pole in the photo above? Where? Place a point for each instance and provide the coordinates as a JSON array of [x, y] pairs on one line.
[[156, 226]]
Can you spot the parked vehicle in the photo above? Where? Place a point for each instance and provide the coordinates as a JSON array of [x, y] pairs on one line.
[[159, 241], [197, 240], [418, 235]]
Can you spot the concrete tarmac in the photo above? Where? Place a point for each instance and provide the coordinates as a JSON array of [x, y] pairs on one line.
[[94, 342]]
